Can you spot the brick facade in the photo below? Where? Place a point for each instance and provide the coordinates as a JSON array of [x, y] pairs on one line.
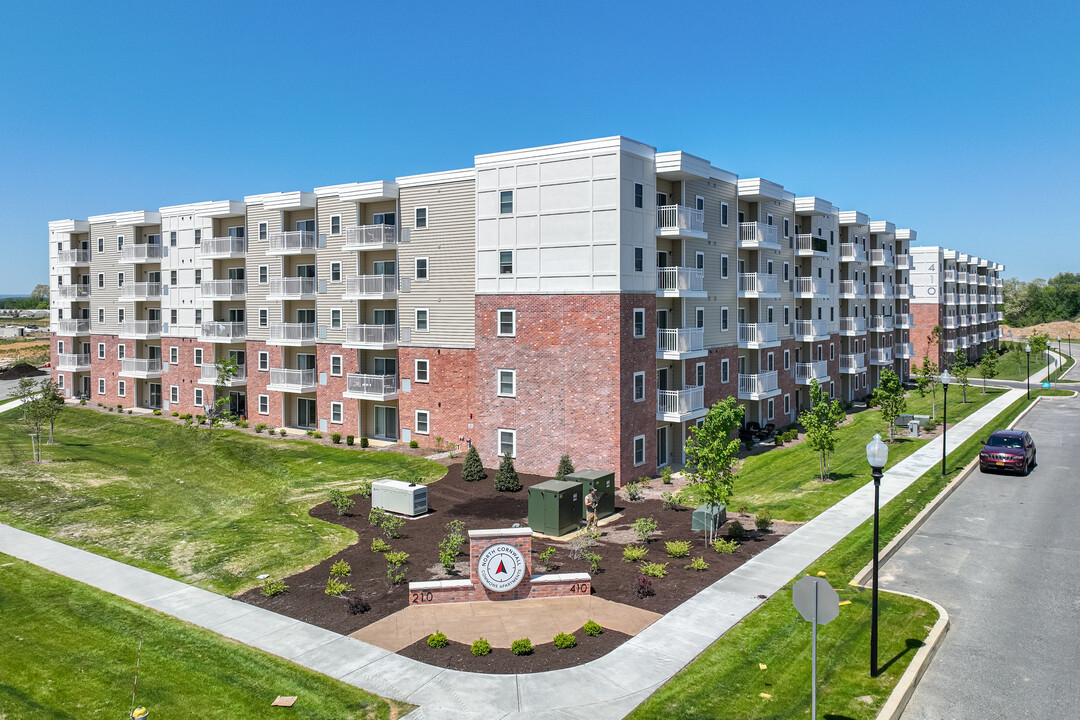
[[335, 387], [448, 395], [257, 380], [185, 374], [925, 317]]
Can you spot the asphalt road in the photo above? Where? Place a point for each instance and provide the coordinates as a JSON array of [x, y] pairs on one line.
[[1002, 555]]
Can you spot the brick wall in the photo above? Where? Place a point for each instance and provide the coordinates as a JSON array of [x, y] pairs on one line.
[[925, 316], [335, 387], [635, 417], [109, 368], [257, 382], [185, 374], [448, 396]]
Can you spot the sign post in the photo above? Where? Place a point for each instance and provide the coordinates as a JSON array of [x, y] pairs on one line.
[[819, 604]]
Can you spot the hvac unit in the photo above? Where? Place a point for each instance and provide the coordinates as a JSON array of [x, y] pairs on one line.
[[399, 497]]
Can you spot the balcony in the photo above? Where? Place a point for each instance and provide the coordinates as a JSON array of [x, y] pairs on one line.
[[209, 376], [296, 242], [950, 322], [289, 380], [143, 368], [224, 289], [881, 323], [371, 387], [810, 287], [881, 356], [141, 253], [758, 387], [881, 258], [851, 290], [902, 291], [755, 336], [950, 345], [904, 351], [680, 343], [949, 298], [73, 362], [371, 337], [852, 252], [984, 317], [72, 258], [805, 372], [982, 280], [371, 237], [961, 277], [758, 236], [292, 288], [683, 282], [71, 328], [371, 287], [904, 321], [962, 298], [998, 316], [903, 262], [852, 326], [680, 405], [69, 293], [282, 333], [811, 330], [223, 248], [757, 285], [141, 290], [950, 276], [141, 330], [881, 291], [852, 363], [679, 221], [223, 332], [983, 299], [809, 246], [965, 319]]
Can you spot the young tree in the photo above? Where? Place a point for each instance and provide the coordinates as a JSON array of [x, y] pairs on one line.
[[34, 412], [1016, 351], [988, 367], [926, 375], [820, 421], [506, 479], [961, 369], [1039, 342], [565, 467], [711, 451], [52, 399], [889, 396], [218, 410], [473, 469]]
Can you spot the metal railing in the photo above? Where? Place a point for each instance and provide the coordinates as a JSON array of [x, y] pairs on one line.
[[142, 252], [292, 377], [292, 286], [370, 334], [905, 350], [377, 385], [73, 292], [903, 262], [757, 235], [672, 217], [805, 372], [141, 290], [140, 365], [680, 340], [222, 247], [210, 372], [853, 325], [904, 320], [903, 291], [757, 283], [950, 298], [852, 361], [295, 241], [879, 356], [223, 288], [881, 257], [141, 327], [881, 291], [680, 279], [810, 285], [851, 287], [359, 237], [73, 257], [370, 285], [852, 252], [680, 402], [72, 361], [758, 384], [757, 333], [881, 323], [810, 328], [71, 327], [224, 330], [292, 332], [807, 243], [950, 276], [950, 322]]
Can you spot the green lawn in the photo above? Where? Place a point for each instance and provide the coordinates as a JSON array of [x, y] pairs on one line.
[[160, 496], [726, 681], [69, 652], [785, 481], [1010, 369]]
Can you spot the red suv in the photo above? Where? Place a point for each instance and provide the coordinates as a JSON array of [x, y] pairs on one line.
[[1008, 450]]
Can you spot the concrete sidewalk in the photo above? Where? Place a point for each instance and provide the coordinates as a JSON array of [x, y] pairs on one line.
[[606, 688]]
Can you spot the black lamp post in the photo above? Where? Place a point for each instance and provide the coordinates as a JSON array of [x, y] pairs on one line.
[[945, 379], [877, 454], [1059, 355], [1069, 334], [1048, 360], [1027, 349]]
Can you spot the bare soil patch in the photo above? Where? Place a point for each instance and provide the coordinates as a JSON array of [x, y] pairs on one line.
[[21, 370]]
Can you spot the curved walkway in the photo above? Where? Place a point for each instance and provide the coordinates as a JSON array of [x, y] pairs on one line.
[[609, 687]]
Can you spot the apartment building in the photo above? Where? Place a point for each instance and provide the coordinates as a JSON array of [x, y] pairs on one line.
[[592, 297], [956, 304]]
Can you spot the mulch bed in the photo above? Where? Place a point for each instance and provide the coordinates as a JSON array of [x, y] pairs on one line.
[[21, 370]]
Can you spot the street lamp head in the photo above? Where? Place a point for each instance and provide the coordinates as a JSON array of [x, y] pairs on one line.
[[1027, 349], [877, 453], [946, 378]]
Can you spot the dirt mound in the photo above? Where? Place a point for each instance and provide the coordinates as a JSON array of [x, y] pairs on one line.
[[1056, 329], [20, 370]]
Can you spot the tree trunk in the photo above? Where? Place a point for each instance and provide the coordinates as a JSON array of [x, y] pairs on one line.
[[51, 432]]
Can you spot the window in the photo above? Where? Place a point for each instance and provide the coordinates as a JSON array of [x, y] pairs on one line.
[[768, 314], [639, 450], [639, 322], [335, 224], [699, 260], [121, 388], [262, 231], [787, 404], [174, 393], [264, 360], [121, 351], [336, 413], [787, 359], [819, 353], [198, 236], [198, 277], [421, 217], [423, 422], [101, 386], [101, 280], [723, 319], [771, 408], [639, 386], [174, 355], [60, 381], [264, 404], [768, 267], [101, 244], [507, 442], [101, 351], [639, 259], [832, 351], [770, 363], [335, 272], [198, 356], [172, 277], [768, 219], [506, 262], [119, 279], [507, 383], [832, 389], [725, 371], [787, 227], [172, 239], [60, 347], [420, 272], [335, 365], [422, 369], [120, 243], [699, 317], [723, 214], [263, 317], [264, 274], [335, 319], [506, 202], [421, 320], [700, 374], [786, 272], [699, 202], [508, 323], [101, 315], [787, 315], [198, 317], [723, 267], [198, 397], [639, 195], [120, 315]]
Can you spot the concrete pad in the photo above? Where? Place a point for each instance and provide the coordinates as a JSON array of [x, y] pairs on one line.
[[295, 640], [469, 692], [636, 666], [340, 656], [560, 688], [392, 676]]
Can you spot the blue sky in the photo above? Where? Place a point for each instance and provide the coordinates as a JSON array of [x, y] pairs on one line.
[[956, 119]]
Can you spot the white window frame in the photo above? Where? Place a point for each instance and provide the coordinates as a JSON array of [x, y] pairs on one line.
[[417, 273], [787, 227], [174, 393], [198, 397], [264, 274], [420, 223], [723, 266], [639, 259], [639, 195], [770, 409], [725, 371], [787, 404], [264, 317], [264, 405], [119, 243], [699, 203], [335, 220], [120, 315], [101, 315], [101, 386], [264, 361], [101, 280], [723, 214], [724, 319], [426, 415], [60, 381], [699, 374], [416, 320], [499, 441], [264, 231], [638, 376], [639, 450], [197, 356], [335, 318], [335, 272], [421, 376], [503, 271], [499, 375], [121, 351], [336, 361], [337, 410], [119, 279], [832, 351], [101, 351], [101, 244], [504, 197], [121, 388], [174, 355], [639, 313], [499, 322], [787, 359]]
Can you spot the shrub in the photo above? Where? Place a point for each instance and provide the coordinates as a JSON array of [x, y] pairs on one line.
[[506, 479], [565, 467], [337, 587], [642, 587], [546, 557], [259, 427], [375, 516], [317, 435], [580, 545], [656, 570], [677, 548], [736, 531], [437, 640], [447, 558], [363, 441], [242, 423], [119, 408], [930, 425], [282, 432], [565, 641], [272, 587], [340, 569], [335, 438], [364, 489], [342, 502], [779, 439], [473, 469], [633, 553], [157, 412], [349, 440], [594, 561], [358, 606], [592, 629], [390, 524], [438, 442], [670, 500], [697, 563], [200, 419], [395, 566], [310, 433], [480, 647], [129, 412], [521, 647], [725, 547], [632, 491], [414, 444], [174, 413], [763, 520], [644, 527], [665, 475], [82, 401], [380, 545]]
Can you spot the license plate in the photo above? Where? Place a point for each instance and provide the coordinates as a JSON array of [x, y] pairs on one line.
[[1000, 462]]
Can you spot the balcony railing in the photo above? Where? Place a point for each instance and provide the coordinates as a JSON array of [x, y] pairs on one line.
[[962, 298], [73, 361], [881, 291], [852, 325], [680, 279], [851, 288], [950, 298], [224, 330], [374, 335], [292, 243], [71, 258], [950, 322], [807, 330], [140, 253], [852, 252], [757, 283], [223, 288], [71, 327], [881, 258], [807, 244], [141, 290], [904, 321], [905, 350], [292, 380], [903, 291], [364, 237], [757, 333], [73, 292], [810, 286], [903, 262], [371, 286], [140, 328], [759, 384], [805, 372], [281, 332], [377, 386], [852, 362], [881, 323], [223, 247], [950, 345], [680, 340], [881, 356], [982, 299], [755, 235], [680, 402], [140, 366], [209, 373], [982, 279], [678, 217], [950, 276], [961, 277], [295, 288]]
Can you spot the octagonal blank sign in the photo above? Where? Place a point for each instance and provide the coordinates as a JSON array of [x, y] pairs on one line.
[[828, 602]]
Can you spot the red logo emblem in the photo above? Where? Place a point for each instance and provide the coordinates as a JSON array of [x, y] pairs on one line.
[[500, 569]]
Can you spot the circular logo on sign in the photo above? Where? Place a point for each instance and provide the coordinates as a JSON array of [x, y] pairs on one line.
[[501, 567]]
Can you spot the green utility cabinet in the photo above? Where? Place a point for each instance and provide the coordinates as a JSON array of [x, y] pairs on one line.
[[604, 482], [555, 507], [703, 514]]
